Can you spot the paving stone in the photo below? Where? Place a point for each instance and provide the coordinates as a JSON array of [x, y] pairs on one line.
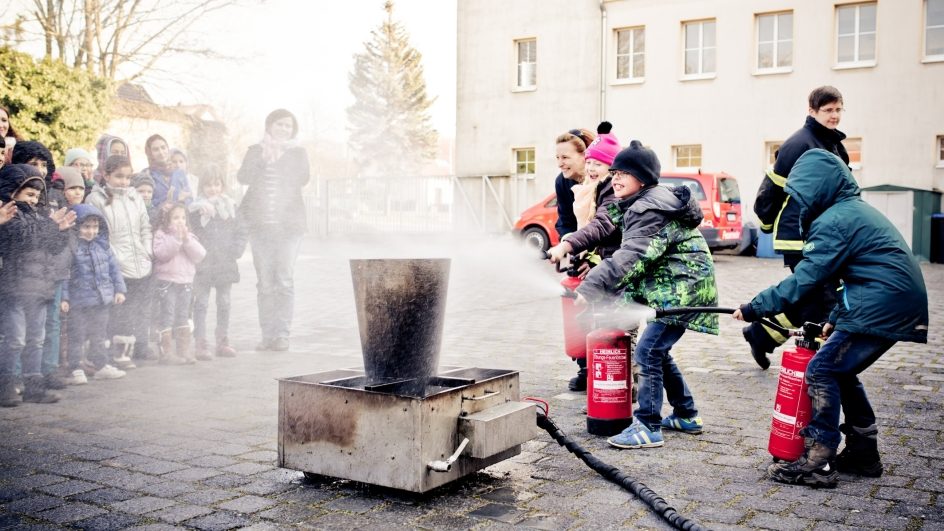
[[39, 480], [207, 496], [10, 521], [862, 519], [68, 488], [104, 496], [246, 504], [290, 513], [107, 522], [12, 493], [142, 505], [70, 512], [34, 504], [774, 521], [717, 514], [218, 521], [909, 495], [352, 504], [176, 514], [167, 489], [500, 512], [212, 461], [246, 469]]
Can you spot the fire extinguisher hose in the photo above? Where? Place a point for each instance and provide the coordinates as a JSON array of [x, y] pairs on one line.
[[716, 309], [615, 475]]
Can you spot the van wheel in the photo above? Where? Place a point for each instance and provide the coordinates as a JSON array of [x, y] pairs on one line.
[[537, 237]]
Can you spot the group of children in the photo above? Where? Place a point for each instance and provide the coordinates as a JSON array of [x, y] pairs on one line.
[[95, 260], [664, 262]]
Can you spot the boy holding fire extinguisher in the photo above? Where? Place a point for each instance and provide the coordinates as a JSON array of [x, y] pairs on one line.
[[663, 262], [883, 300]]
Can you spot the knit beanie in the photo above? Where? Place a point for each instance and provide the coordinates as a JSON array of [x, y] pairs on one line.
[[71, 177], [77, 153], [142, 178], [639, 161], [277, 115], [605, 147]]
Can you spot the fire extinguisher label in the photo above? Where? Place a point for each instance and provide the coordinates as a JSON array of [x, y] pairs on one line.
[[610, 373]]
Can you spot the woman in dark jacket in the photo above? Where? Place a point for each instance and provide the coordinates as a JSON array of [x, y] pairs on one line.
[[276, 169]]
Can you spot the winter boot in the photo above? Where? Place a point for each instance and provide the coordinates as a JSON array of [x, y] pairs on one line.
[[185, 344], [860, 456], [201, 352], [8, 395], [167, 349], [223, 349], [816, 468], [761, 343], [34, 390], [54, 381], [579, 382]]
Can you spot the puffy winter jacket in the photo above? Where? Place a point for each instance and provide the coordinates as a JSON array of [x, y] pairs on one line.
[[601, 233], [129, 228], [96, 275], [224, 241], [883, 291], [663, 260], [174, 260], [29, 243]]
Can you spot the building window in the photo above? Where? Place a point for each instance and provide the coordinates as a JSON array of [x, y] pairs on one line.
[[934, 30], [855, 35], [940, 151], [687, 156], [775, 42], [772, 148], [524, 161], [699, 48], [631, 53], [854, 149], [527, 63]]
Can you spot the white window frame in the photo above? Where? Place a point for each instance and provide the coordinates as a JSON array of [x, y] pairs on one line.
[[632, 55], [939, 144], [519, 64], [701, 74], [855, 63], [855, 165], [675, 157], [770, 149], [774, 69], [924, 38], [515, 162]]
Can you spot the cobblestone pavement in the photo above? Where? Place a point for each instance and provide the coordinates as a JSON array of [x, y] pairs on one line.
[[195, 446]]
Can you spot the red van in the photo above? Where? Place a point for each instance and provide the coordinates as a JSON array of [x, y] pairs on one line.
[[717, 193]]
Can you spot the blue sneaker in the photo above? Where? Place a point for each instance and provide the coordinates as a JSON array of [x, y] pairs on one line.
[[637, 435], [692, 425]]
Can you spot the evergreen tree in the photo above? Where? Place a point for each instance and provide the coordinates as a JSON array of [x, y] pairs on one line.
[[389, 122]]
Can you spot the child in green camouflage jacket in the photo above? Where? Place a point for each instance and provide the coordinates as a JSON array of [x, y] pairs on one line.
[[663, 262]]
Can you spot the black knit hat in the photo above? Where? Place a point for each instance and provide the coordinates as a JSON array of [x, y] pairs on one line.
[[639, 161]]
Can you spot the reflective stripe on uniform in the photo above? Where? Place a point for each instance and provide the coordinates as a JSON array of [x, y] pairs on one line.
[[777, 179], [784, 245]]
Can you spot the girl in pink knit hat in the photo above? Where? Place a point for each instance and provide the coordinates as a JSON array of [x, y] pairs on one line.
[[599, 156]]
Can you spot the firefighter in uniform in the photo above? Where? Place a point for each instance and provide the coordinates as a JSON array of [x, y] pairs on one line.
[[780, 216]]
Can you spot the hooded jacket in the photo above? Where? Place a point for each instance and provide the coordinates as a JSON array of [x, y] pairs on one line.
[[883, 291], [103, 148], [663, 260], [129, 228], [601, 233], [773, 206], [96, 275], [29, 242], [25, 151]]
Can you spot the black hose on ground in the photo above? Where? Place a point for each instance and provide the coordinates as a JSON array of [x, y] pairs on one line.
[[615, 475]]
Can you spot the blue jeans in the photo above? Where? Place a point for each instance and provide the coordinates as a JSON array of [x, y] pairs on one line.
[[88, 324], [24, 328], [657, 369], [53, 334], [274, 257], [832, 377], [175, 304], [201, 303]]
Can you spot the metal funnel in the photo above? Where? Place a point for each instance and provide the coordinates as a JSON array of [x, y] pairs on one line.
[[400, 307]]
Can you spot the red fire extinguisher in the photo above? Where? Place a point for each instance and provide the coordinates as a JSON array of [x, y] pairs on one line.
[[575, 331], [792, 406], [609, 381]]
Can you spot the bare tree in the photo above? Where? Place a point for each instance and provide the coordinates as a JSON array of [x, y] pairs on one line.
[[114, 39]]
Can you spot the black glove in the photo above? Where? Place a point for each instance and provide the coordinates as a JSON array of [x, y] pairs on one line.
[[748, 313]]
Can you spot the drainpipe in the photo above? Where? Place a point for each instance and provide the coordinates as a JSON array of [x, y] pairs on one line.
[[602, 60]]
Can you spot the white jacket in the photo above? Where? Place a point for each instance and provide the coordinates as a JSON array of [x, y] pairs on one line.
[[129, 228]]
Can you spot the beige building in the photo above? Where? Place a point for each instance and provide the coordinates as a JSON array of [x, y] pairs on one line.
[[707, 84]]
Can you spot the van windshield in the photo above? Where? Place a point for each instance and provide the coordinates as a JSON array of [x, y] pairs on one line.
[[728, 191], [693, 185]]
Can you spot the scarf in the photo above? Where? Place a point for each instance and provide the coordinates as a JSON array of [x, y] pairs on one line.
[[224, 206], [273, 149]]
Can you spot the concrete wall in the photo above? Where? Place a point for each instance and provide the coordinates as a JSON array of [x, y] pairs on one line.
[[895, 107]]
